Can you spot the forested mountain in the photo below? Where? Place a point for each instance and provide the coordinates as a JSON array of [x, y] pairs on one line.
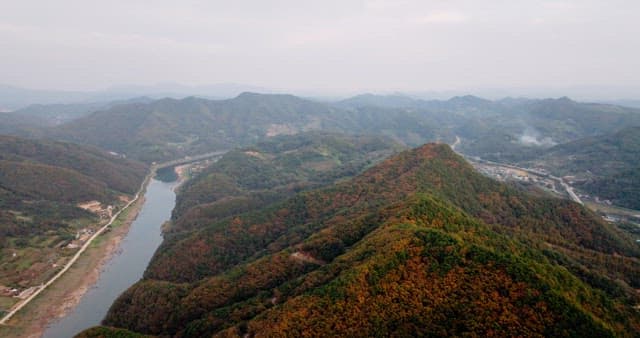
[[31, 121], [41, 181], [607, 166], [419, 244], [271, 170], [504, 130], [508, 129], [169, 128], [20, 125], [55, 114]]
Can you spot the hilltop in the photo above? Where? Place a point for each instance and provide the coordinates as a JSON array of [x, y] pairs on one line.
[[405, 248]]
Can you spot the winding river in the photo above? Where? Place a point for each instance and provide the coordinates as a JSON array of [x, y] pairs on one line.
[[126, 267]]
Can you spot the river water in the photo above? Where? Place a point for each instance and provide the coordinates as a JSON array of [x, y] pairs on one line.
[[126, 267]]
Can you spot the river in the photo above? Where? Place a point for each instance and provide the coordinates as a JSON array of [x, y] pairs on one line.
[[126, 267]]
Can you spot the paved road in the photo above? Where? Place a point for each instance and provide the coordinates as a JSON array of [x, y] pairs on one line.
[[152, 171], [76, 256], [565, 185]]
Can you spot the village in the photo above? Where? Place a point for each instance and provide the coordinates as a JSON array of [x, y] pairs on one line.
[[559, 186], [26, 288]]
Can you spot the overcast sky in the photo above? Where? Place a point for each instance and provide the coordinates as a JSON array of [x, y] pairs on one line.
[[323, 45]]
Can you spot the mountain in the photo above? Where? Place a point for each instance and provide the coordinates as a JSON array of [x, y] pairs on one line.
[[32, 120], [383, 101], [505, 130], [626, 103], [607, 166], [56, 114], [518, 129], [14, 98], [274, 169], [41, 185], [21, 125], [509, 129], [175, 90], [419, 244], [168, 128]]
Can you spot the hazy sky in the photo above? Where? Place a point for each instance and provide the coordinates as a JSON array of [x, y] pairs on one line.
[[338, 45]]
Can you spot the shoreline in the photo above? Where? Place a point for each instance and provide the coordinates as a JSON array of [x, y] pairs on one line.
[[181, 171], [65, 294]]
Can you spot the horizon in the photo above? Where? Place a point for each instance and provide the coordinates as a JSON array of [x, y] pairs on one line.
[[230, 90]]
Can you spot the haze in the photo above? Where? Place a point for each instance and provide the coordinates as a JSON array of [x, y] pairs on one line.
[[324, 46]]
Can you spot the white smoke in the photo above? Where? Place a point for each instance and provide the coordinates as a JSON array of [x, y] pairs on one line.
[[531, 137]]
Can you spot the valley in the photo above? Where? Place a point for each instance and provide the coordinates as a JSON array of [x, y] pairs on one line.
[[124, 267], [354, 168], [280, 213], [557, 186], [115, 223]]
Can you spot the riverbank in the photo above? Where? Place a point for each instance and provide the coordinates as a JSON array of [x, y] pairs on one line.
[[182, 171], [65, 293]]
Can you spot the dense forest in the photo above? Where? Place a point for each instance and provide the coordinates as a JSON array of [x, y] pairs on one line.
[[41, 184], [303, 225], [169, 128], [356, 168], [502, 130], [405, 248], [274, 169]]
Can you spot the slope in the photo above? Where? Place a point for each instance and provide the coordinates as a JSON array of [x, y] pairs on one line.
[[272, 170], [382, 252], [168, 128], [508, 129], [41, 186]]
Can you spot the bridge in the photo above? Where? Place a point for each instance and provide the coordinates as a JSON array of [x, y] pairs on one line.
[[187, 159]]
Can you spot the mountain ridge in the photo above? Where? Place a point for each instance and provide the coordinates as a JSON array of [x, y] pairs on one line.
[[336, 251]]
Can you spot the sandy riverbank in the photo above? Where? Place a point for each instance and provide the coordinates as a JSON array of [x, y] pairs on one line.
[[62, 296], [182, 171]]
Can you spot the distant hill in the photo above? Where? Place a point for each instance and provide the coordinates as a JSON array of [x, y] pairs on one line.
[[169, 128], [626, 103], [607, 166], [56, 114], [419, 244], [383, 101], [32, 120], [14, 98], [510, 129], [21, 125]]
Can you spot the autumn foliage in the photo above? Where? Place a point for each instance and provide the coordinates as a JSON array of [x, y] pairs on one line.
[[419, 244]]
